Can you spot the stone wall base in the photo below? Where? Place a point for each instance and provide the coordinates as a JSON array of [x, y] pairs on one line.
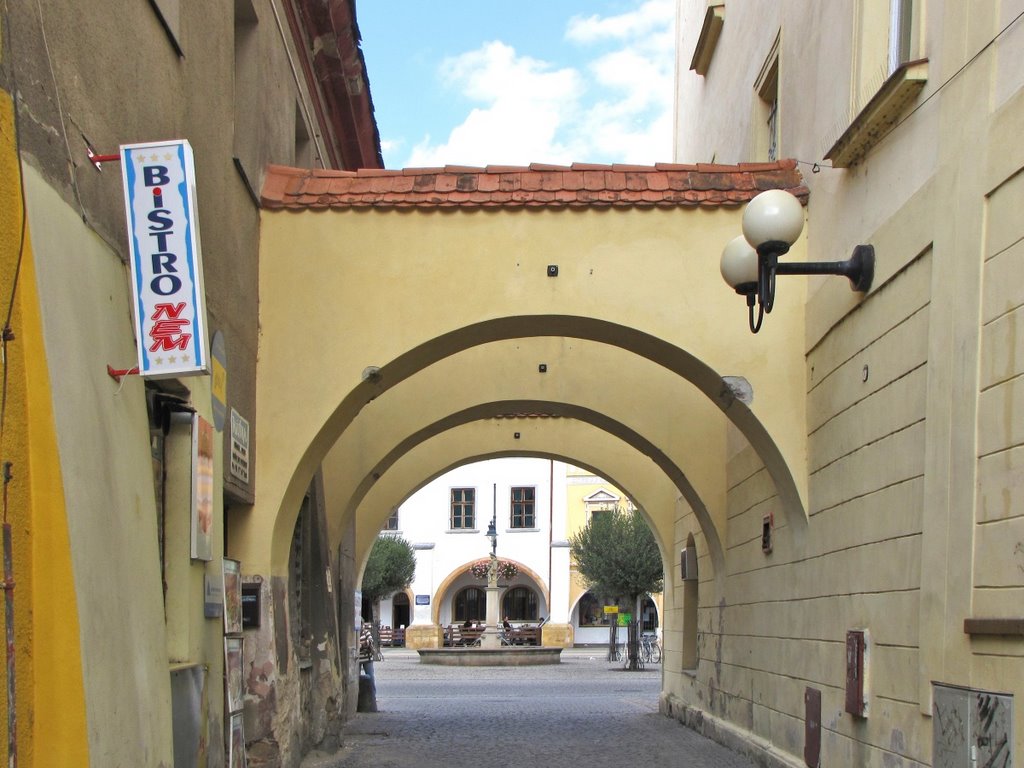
[[423, 636], [556, 635], [739, 740]]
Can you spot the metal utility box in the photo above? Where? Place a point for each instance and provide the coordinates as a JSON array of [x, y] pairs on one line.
[[688, 563], [857, 672], [971, 728]]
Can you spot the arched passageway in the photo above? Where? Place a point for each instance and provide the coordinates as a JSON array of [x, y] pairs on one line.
[[397, 344]]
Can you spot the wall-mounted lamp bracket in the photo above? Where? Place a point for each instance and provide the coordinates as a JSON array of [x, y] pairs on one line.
[[99, 160], [772, 222], [859, 268], [118, 373]]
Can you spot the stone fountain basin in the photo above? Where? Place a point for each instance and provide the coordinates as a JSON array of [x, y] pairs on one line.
[[506, 656]]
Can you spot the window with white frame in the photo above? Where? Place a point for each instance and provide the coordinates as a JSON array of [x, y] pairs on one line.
[[523, 508], [462, 509]]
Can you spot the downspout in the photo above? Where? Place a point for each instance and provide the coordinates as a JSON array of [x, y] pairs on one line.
[[8, 585], [551, 526]]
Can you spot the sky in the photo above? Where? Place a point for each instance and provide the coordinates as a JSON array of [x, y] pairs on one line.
[[496, 82]]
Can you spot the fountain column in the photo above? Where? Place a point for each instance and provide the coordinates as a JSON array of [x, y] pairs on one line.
[[490, 637]]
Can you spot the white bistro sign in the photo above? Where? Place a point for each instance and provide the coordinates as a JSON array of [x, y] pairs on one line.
[[167, 266]]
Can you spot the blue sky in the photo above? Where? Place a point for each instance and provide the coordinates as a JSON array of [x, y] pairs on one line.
[[472, 82]]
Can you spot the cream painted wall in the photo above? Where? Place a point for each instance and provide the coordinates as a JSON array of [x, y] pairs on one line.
[[405, 411], [386, 293], [107, 473], [108, 486], [913, 457]]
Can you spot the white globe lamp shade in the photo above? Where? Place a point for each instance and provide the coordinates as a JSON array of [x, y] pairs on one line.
[[773, 215], [739, 262]]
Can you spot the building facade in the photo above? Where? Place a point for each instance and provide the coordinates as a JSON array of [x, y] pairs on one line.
[[836, 499], [119, 628], [537, 505], [889, 631]]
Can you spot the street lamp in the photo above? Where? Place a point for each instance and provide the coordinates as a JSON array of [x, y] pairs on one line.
[[492, 534], [772, 222]]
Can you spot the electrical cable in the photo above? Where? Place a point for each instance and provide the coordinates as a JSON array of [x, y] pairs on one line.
[[72, 168]]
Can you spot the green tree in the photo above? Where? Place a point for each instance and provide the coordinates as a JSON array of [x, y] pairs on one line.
[[616, 556], [390, 569]]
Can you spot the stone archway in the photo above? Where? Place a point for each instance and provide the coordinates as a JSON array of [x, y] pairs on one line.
[[650, 250], [366, 312]]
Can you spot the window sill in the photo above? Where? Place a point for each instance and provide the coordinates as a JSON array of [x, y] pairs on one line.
[[880, 114], [708, 40], [463, 530], [998, 627], [522, 530]]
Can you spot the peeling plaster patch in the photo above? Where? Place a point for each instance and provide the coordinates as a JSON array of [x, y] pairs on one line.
[[327, 45], [739, 388], [261, 671]]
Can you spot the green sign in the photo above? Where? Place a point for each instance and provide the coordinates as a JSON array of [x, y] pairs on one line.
[[625, 619]]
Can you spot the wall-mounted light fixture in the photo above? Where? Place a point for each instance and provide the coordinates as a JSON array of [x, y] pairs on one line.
[[772, 222]]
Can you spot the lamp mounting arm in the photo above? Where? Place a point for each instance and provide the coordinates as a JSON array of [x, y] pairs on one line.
[[859, 268]]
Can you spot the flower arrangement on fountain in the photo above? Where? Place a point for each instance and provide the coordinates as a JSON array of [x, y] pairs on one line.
[[506, 569]]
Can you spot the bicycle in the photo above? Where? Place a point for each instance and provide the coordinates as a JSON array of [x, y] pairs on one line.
[[650, 651]]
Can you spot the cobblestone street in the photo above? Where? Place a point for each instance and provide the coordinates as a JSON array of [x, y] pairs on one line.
[[582, 711]]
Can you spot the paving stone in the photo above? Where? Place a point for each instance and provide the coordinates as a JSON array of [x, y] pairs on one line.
[[584, 710]]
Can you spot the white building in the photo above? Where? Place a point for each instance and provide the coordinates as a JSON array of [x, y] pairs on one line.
[[536, 505]]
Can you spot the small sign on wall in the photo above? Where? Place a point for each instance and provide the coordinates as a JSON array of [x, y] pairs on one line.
[[239, 446], [250, 606], [202, 488], [422, 599], [213, 596]]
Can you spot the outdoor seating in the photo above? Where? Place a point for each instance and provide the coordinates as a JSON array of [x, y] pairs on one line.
[[471, 635], [398, 637], [525, 636], [386, 636]]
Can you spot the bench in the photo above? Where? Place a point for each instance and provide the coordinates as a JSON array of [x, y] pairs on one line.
[[524, 636]]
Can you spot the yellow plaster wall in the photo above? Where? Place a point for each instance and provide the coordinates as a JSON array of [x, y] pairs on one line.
[[106, 478], [404, 279], [50, 701], [427, 402]]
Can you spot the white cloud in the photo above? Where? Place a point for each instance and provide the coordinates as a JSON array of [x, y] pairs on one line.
[[390, 145], [648, 19], [526, 102], [616, 107]]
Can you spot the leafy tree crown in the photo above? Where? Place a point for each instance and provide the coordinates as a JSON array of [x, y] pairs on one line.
[[390, 569], [616, 555]]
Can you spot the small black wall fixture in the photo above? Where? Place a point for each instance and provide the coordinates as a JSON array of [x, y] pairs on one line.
[[772, 222]]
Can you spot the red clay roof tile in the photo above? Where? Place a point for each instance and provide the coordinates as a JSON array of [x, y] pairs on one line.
[[538, 185]]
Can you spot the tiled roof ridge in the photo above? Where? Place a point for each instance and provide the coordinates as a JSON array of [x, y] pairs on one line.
[[535, 185]]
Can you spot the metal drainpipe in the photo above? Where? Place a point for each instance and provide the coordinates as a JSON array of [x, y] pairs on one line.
[[12, 719], [551, 527]]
